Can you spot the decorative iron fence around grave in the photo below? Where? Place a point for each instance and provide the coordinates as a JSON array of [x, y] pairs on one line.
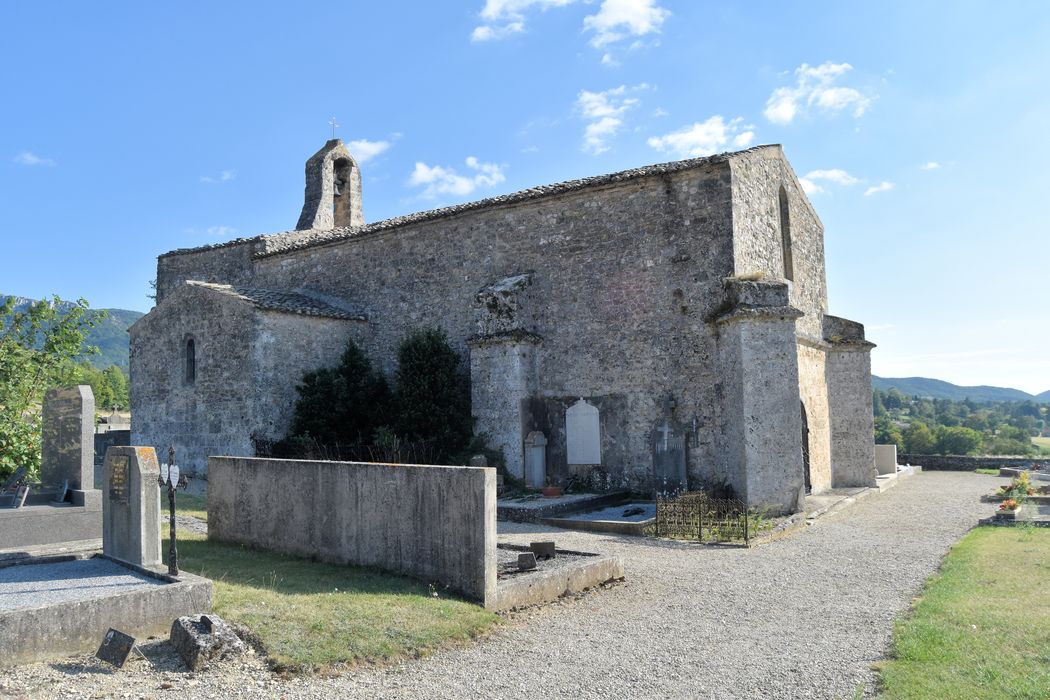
[[696, 516]]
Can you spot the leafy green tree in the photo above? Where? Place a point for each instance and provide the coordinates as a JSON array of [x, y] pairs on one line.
[[919, 439], [344, 405], [957, 440], [878, 406], [38, 346], [894, 398], [887, 433], [432, 398], [119, 386]]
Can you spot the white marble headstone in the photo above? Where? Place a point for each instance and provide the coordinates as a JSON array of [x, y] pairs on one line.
[[583, 441]]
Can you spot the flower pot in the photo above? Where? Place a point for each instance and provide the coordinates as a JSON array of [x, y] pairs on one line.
[[552, 491]]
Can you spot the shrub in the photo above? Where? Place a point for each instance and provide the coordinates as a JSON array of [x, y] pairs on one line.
[[432, 398], [342, 405]]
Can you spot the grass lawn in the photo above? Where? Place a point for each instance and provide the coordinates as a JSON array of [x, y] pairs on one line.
[[310, 615], [1043, 443], [185, 504], [982, 626], [991, 472]]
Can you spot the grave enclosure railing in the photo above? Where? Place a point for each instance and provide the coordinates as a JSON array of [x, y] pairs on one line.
[[696, 516]]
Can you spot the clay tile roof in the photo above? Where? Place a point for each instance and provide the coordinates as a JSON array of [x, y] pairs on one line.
[[285, 302]]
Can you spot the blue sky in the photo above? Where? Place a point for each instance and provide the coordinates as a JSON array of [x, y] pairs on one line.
[[133, 129]]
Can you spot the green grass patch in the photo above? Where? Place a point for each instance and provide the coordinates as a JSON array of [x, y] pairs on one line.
[[991, 472], [185, 504], [310, 615], [982, 626]]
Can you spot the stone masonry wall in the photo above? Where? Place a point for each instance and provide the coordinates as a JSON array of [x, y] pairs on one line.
[[852, 424], [813, 389], [248, 363], [625, 277], [757, 178]]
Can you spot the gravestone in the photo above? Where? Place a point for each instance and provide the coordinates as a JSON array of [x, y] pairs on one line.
[[583, 444], [669, 468], [535, 460], [886, 459], [68, 444], [131, 506]]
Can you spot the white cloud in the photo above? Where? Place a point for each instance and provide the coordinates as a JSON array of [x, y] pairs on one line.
[[604, 112], [224, 176], [881, 187], [815, 88], [439, 180], [504, 18], [221, 231], [704, 138], [364, 150], [660, 112], [811, 181], [617, 19], [932, 165], [30, 158]]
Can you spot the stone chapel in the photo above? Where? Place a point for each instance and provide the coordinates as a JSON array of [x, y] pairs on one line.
[[665, 326]]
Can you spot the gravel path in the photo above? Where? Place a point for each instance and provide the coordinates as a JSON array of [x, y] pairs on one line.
[[32, 585], [804, 617]]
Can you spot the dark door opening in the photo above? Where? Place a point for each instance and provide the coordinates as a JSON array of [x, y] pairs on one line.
[[805, 449]]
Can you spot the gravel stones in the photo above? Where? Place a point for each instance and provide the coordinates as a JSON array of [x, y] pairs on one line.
[[803, 617]]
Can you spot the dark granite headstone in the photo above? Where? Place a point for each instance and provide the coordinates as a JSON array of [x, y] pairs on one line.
[[116, 647], [542, 550], [68, 438], [526, 561]]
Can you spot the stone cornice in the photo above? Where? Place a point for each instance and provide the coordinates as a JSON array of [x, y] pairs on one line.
[[760, 313]]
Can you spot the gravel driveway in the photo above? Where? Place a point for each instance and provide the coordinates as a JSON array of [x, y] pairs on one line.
[[801, 618]]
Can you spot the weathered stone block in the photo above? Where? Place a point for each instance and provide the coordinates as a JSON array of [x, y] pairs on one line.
[[201, 639]]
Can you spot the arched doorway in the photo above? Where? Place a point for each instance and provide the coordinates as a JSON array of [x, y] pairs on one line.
[[805, 448]]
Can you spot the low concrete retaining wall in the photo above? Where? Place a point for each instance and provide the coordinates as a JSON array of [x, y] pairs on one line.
[[962, 463], [434, 523]]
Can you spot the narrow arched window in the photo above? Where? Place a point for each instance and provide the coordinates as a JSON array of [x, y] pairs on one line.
[[191, 361], [785, 235]]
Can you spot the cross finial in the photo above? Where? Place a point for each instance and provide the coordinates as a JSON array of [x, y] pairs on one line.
[[332, 123]]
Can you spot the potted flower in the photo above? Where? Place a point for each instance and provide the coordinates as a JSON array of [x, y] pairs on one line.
[[552, 491], [1009, 508]]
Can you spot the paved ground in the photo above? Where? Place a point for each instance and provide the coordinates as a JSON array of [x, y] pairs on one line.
[[804, 617]]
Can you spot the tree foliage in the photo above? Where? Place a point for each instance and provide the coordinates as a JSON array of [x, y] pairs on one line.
[[432, 398], [342, 405], [929, 426], [350, 409], [38, 348]]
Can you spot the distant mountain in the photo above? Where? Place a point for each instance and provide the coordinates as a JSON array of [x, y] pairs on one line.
[[110, 336], [937, 389]]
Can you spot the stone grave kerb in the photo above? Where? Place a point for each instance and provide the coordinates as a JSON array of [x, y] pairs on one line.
[[131, 506], [68, 443]]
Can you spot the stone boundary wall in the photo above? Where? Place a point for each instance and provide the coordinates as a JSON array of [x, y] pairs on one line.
[[965, 463], [434, 523]]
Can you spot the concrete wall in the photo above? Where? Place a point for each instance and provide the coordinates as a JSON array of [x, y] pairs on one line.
[[434, 523]]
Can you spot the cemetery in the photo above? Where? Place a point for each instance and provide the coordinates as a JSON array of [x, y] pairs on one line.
[[53, 606]]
